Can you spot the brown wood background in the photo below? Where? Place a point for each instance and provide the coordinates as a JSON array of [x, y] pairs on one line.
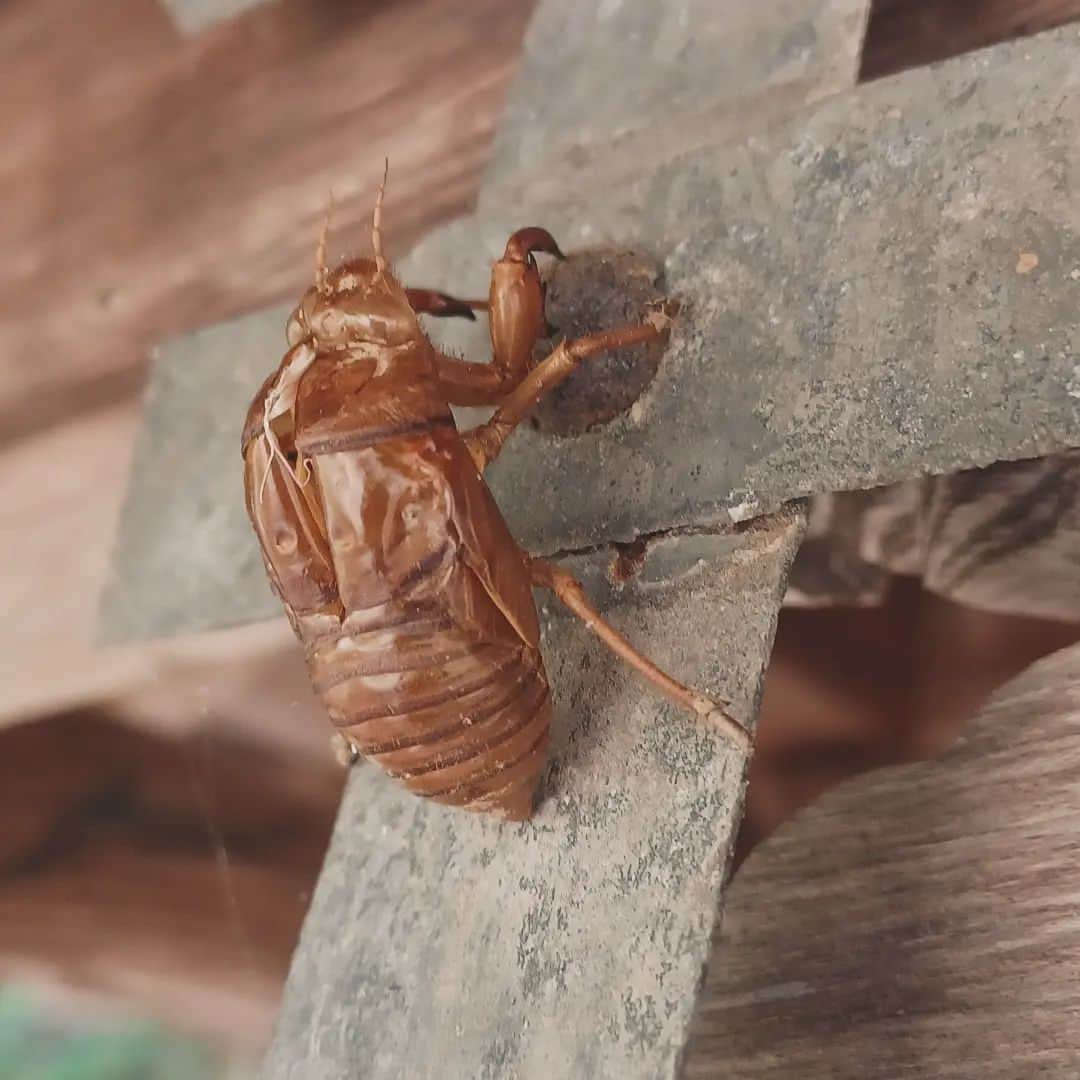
[[907, 33], [153, 183], [920, 921]]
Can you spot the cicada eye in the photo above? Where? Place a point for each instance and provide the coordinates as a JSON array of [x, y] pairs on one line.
[[328, 324]]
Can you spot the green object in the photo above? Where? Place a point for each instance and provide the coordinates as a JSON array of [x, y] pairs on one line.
[[38, 1044]]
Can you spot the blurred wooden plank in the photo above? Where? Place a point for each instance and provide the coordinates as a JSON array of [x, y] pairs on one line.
[[144, 199], [59, 497], [194, 16], [172, 873], [920, 921], [914, 672], [908, 33]]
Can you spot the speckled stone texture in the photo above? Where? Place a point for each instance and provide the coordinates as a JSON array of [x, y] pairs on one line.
[[594, 72], [856, 311], [860, 303], [440, 945], [186, 558]]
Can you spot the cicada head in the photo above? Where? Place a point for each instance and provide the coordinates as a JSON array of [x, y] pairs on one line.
[[356, 304]]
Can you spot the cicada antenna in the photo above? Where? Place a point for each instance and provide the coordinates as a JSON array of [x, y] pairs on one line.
[[376, 222], [320, 249]]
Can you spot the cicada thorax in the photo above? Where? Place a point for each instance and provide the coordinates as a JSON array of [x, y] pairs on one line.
[[402, 581]]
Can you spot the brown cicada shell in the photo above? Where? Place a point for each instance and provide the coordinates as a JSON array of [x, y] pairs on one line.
[[411, 599]]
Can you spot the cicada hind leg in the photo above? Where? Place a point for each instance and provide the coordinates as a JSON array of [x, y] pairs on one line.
[[569, 590]]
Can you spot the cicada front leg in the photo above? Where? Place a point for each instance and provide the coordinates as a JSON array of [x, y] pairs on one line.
[[443, 305], [515, 310], [486, 441]]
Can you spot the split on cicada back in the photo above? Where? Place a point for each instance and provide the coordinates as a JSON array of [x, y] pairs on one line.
[[281, 397]]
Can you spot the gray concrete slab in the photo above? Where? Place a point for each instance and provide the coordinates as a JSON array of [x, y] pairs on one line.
[[860, 306], [186, 558], [446, 946], [593, 72], [888, 286]]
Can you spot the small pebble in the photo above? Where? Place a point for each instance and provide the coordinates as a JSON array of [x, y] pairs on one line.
[[1027, 262]]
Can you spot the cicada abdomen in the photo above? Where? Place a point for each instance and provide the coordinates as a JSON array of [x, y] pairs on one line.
[[402, 581]]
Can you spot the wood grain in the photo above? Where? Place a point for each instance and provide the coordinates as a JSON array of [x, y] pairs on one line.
[[153, 184], [180, 182], [1002, 538], [854, 689], [168, 873], [921, 921], [908, 33]]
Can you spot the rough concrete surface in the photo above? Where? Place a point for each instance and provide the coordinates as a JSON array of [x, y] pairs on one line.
[[439, 944], [593, 72], [186, 558], [862, 302], [860, 306]]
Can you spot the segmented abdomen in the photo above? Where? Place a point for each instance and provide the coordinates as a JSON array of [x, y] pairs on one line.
[[414, 606], [455, 718]]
